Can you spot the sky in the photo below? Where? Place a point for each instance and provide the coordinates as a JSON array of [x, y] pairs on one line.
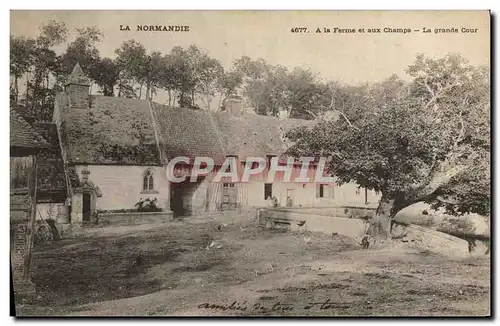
[[345, 57]]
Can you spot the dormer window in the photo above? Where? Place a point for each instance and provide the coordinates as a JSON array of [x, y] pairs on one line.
[[148, 181]]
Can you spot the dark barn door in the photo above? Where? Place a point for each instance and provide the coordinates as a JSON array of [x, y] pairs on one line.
[[86, 207]]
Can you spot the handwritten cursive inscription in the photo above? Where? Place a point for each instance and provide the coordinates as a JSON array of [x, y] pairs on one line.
[[275, 307]]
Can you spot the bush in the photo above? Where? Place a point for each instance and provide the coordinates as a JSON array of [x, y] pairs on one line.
[[147, 205], [143, 205]]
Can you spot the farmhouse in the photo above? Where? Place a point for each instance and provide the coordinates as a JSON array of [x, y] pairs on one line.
[[114, 153]]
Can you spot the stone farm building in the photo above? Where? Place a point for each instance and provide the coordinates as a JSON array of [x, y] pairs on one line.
[[114, 152]]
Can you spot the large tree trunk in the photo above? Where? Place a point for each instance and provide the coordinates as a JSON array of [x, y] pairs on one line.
[[381, 226], [388, 207]]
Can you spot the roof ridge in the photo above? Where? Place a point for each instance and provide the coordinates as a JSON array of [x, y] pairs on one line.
[[155, 129]]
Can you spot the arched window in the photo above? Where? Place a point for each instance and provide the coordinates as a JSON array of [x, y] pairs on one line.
[[148, 181]]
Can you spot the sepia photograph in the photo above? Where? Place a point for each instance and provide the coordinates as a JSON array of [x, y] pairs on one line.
[[250, 163]]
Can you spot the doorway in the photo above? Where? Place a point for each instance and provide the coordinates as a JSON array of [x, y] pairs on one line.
[[229, 196], [86, 209], [176, 201], [185, 198]]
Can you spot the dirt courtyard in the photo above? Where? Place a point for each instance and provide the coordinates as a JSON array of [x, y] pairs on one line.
[[231, 266]]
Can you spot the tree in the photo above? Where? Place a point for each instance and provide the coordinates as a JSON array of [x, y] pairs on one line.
[[183, 81], [153, 74], [418, 146], [227, 85], [305, 95], [36, 61], [208, 71], [21, 60], [274, 90], [84, 51], [167, 78], [192, 75], [131, 57], [107, 75]]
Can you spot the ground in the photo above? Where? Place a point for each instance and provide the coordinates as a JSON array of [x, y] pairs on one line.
[[190, 267]]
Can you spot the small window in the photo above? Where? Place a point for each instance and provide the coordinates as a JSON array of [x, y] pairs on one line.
[[228, 185], [321, 191], [148, 181], [268, 190]]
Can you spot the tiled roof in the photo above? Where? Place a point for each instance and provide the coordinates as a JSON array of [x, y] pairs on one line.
[[187, 132], [117, 130], [51, 178], [22, 134], [254, 135]]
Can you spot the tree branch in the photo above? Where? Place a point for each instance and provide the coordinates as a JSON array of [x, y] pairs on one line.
[[438, 179], [437, 95], [311, 113], [461, 133], [331, 107]]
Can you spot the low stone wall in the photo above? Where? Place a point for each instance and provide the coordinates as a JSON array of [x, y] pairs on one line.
[[345, 224], [337, 211], [127, 218], [350, 227]]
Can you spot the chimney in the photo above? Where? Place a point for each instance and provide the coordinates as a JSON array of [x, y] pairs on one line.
[[77, 88], [234, 105]]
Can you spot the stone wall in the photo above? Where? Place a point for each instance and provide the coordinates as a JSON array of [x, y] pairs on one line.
[[350, 227], [134, 218]]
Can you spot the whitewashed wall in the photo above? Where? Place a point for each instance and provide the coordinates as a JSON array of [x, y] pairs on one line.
[[121, 186]]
